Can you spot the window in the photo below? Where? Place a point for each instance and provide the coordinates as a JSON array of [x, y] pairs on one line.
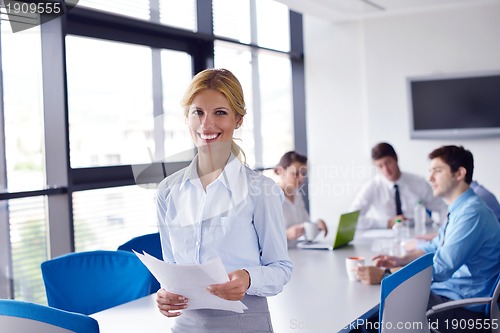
[[23, 103], [272, 16], [133, 8], [110, 102], [184, 15], [28, 237], [107, 218], [232, 19], [176, 75], [23, 220], [276, 107]]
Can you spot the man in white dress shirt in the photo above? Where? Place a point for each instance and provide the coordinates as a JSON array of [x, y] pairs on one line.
[[392, 194]]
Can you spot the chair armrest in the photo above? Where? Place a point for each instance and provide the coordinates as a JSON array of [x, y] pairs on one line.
[[457, 304]]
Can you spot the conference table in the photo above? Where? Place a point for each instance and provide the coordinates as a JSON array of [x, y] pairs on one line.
[[318, 298]]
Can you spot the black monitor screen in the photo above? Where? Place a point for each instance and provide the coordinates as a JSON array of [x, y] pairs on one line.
[[456, 103]]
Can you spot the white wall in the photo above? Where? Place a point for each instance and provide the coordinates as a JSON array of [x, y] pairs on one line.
[[356, 93]]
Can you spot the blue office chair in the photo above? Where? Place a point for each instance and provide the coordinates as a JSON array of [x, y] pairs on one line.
[[89, 282], [149, 243], [492, 311], [23, 317], [404, 297]]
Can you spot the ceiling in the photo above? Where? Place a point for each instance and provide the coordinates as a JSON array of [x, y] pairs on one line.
[[341, 10]]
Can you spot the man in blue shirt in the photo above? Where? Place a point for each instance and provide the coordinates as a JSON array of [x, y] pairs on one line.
[[466, 249]]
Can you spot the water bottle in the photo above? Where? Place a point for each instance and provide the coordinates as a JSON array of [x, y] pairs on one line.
[[419, 217], [399, 234], [406, 230]]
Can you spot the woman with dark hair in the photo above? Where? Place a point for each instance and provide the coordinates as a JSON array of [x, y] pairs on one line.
[[292, 171]]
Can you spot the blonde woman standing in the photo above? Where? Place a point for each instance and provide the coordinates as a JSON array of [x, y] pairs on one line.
[[218, 207]]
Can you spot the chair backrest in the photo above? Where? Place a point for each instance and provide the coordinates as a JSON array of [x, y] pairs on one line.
[[404, 297], [492, 309], [149, 243], [24, 317], [89, 282]]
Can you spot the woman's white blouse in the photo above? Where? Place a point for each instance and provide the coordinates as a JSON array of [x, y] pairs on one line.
[[239, 219], [295, 213]]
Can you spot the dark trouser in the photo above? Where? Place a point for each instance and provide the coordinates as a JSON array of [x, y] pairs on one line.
[[450, 321], [455, 320]]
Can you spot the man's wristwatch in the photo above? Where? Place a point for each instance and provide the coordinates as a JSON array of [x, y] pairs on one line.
[[387, 272]]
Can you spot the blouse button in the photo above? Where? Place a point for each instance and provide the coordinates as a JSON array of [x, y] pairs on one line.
[[197, 243]]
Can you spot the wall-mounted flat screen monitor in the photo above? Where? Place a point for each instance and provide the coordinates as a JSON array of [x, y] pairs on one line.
[[454, 106]]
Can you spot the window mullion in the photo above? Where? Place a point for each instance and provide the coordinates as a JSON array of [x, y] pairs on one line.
[[298, 84], [60, 234], [256, 98], [204, 16], [159, 126], [6, 282]]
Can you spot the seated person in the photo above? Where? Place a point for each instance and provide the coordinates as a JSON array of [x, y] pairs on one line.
[[489, 198], [392, 194], [466, 249], [292, 171]]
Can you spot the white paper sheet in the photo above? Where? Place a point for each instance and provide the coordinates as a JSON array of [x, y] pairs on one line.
[[375, 233], [191, 281]]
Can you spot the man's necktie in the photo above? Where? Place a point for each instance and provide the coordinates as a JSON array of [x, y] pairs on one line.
[[397, 198], [445, 226]]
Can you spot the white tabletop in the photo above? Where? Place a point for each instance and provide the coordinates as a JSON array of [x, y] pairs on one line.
[[319, 298]]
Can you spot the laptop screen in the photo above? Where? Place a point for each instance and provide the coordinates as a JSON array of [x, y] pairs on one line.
[[346, 229]]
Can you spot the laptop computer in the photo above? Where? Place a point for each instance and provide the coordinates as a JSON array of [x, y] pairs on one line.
[[344, 234]]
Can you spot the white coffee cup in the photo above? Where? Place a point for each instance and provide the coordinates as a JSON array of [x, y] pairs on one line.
[[311, 230], [350, 264]]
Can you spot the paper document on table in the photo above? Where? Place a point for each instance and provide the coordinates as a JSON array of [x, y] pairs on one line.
[[191, 281], [376, 233]]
